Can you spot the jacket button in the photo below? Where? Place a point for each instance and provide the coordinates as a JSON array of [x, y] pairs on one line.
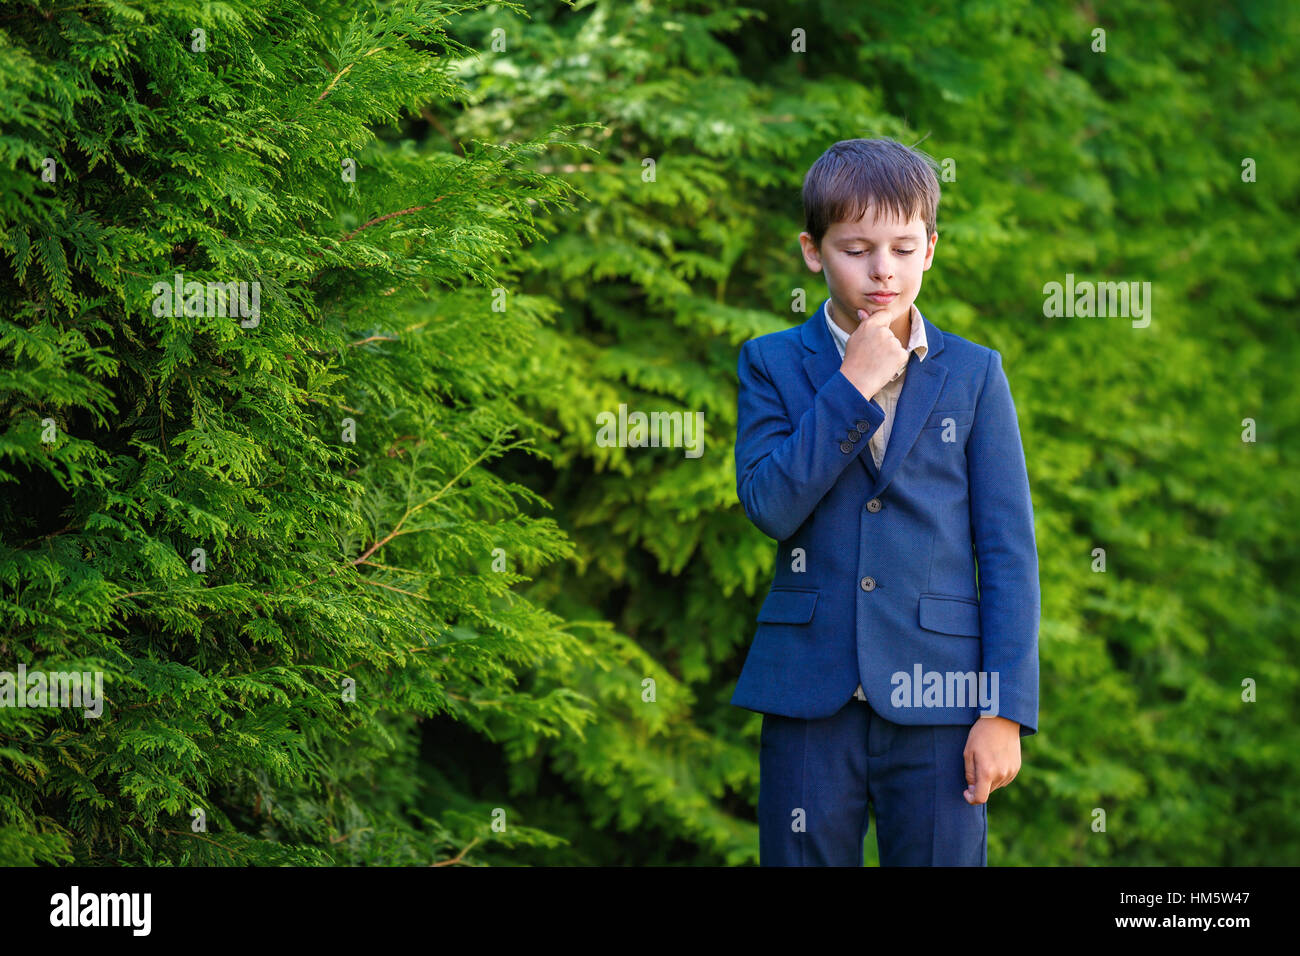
[[868, 584], [862, 425], [874, 505], [846, 446], [854, 434]]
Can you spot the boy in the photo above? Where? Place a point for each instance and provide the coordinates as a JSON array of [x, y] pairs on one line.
[[884, 457]]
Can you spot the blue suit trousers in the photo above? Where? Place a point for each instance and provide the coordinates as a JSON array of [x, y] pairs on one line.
[[817, 776]]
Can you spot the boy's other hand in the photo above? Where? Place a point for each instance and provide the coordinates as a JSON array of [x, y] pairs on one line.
[[873, 353], [992, 757]]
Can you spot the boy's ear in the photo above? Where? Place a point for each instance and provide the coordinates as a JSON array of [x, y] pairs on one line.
[[929, 252], [812, 256]]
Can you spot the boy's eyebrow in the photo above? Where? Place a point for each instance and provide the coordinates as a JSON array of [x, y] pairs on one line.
[[868, 238]]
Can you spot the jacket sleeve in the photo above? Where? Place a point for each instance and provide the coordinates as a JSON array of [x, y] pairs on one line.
[[1002, 529], [783, 470]]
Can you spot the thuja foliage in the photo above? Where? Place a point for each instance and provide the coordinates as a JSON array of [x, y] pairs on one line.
[[1166, 540], [277, 535], [371, 469]]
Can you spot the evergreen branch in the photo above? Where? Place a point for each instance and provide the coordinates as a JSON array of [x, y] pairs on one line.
[[398, 590], [397, 528], [428, 501], [455, 478], [52, 534], [400, 212], [198, 836], [388, 567], [352, 345], [458, 857], [394, 451], [340, 837], [373, 338], [433, 121], [344, 72], [337, 76], [49, 14]]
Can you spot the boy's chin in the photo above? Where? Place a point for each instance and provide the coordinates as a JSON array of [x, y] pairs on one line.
[[895, 309]]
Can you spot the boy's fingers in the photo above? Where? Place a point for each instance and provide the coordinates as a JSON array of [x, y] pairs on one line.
[[879, 317], [977, 778], [979, 792]]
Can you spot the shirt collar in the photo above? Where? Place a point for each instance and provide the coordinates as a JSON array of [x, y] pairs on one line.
[[916, 342]]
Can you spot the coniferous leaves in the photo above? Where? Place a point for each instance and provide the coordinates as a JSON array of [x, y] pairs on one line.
[[270, 531]]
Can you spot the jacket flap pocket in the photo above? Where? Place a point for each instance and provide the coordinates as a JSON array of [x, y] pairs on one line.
[[788, 606], [950, 615]]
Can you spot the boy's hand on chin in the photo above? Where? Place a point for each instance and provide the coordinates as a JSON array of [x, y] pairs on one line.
[[873, 353]]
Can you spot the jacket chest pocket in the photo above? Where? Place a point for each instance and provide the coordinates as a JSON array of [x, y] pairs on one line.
[[940, 446], [959, 419]]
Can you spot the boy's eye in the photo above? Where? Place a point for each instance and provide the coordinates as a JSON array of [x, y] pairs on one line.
[[901, 252]]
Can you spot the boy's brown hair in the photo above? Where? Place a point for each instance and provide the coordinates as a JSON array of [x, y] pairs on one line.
[[855, 172]]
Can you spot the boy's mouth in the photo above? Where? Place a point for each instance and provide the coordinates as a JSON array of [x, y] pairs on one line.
[[881, 298]]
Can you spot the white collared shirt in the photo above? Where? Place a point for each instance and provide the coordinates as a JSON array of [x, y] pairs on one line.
[[887, 397]]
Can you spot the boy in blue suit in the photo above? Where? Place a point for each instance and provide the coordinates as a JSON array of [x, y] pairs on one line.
[[895, 660]]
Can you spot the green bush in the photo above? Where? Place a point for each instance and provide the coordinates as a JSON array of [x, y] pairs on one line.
[[500, 586], [273, 534]]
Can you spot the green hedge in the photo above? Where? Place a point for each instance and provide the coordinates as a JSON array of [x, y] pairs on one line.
[[428, 600]]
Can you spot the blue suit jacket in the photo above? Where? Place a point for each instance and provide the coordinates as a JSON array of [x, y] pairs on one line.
[[876, 570]]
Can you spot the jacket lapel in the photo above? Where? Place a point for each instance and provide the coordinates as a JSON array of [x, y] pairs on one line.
[[916, 401], [824, 362], [921, 388]]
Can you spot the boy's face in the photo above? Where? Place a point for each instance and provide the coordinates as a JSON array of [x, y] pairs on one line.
[[869, 256]]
